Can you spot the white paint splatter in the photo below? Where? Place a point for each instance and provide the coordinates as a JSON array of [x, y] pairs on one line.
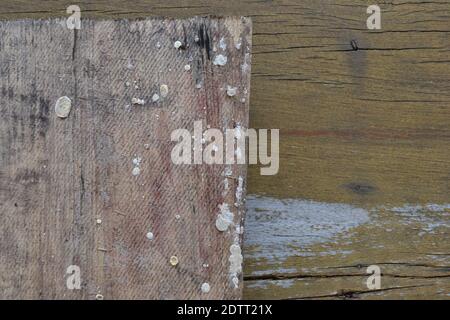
[[231, 91], [235, 264], [228, 172], [246, 65], [177, 44], [239, 190], [225, 187], [222, 44], [205, 287], [187, 67], [173, 260], [155, 97], [163, 90], [137, 101], [63, 106], [224, 218], [149, 235], [137, 161], [220, 60], [136, 171]]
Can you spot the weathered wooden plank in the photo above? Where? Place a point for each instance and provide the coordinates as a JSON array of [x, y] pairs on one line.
[[87, 190], [298, 249], [367, 128]]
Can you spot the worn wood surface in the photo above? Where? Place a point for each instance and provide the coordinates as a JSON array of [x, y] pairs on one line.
[[59, 176], [366, 128]]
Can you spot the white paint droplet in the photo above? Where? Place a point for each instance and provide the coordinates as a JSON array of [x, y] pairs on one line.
[[206, 287], [163, 90], [155, 97], [99, 221], [231, 91], [177, 44], [187, 67], [137, 101], [136, 171], [137, 161], [173, 260], [63, 106], [98, 296], [205, 265], [177, 216], [220, 60], [149, 235]]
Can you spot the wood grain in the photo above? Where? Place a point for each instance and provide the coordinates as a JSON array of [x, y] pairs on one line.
[[59, 176], [367, 128]]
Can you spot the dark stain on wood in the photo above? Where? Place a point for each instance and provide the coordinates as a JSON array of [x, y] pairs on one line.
[[360, 188]]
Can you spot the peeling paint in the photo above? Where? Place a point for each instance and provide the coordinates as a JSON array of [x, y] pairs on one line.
[[283, 227]]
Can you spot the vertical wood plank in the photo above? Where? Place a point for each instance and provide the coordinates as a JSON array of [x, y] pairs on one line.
[[68, 193]]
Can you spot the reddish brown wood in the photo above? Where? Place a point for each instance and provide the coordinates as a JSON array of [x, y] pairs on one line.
[[59, 176]]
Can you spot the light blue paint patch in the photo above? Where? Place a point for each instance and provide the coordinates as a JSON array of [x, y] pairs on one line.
[[282, 228], [431, 216]]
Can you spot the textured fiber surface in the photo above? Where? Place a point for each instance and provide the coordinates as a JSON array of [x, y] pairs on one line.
[[68, 195]]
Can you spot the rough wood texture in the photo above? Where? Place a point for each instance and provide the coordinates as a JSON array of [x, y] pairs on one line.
[[58, 176], [367, 128]]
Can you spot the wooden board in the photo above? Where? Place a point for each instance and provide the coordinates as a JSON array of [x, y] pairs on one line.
[[366, 128], [86, 190]]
